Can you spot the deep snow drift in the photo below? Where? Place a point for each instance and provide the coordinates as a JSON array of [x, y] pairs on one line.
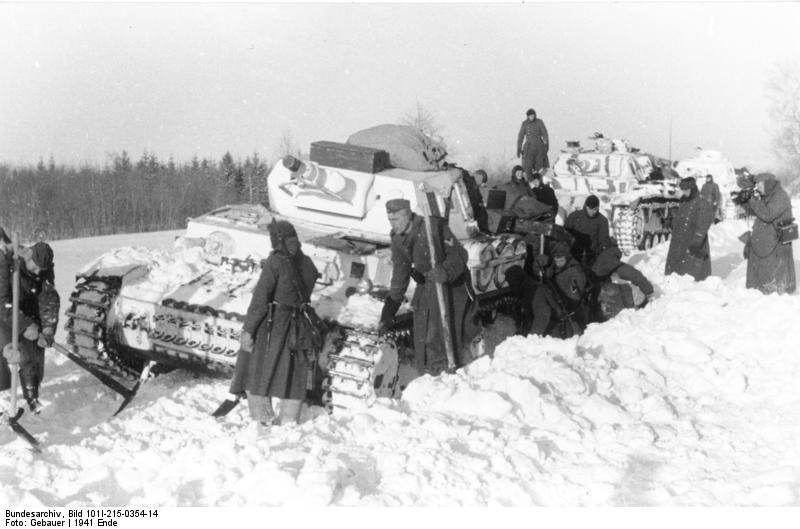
[[692, 400]]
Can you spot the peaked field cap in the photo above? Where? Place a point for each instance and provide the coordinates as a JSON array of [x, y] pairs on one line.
[[687, 183], [530, 112], [397, 204]]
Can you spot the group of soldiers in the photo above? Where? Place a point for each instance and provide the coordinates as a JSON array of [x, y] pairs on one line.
[[37, 315], [557, 289]]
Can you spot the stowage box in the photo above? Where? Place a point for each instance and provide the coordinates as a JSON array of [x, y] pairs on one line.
[[346, 156]]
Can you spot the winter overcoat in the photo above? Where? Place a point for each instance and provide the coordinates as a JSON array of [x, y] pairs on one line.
[[690, 232], [278, 365], [710, 192], [39, 304], [590, 233], [532, 142], [410, 253], [770, 266]]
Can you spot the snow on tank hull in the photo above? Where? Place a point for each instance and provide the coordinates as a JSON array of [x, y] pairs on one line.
[[186, 307], [639, 212]]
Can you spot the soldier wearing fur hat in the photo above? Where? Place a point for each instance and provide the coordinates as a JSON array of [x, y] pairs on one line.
[[688, 246], [276, 342], [770, 265], [411, 259], [558, 307], [532, 144], [39, 307]]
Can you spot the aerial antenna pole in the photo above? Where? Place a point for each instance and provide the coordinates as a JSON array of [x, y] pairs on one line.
[[670, 141]]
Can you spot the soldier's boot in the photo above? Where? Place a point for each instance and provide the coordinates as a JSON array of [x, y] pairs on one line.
[[30, 393]]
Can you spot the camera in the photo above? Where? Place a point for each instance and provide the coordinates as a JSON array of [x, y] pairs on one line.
[[747, 186]]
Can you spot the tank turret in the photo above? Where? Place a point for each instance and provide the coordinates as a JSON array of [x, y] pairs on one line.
[[186, 307]]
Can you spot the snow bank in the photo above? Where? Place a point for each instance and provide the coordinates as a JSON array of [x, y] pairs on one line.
[[692, 400]]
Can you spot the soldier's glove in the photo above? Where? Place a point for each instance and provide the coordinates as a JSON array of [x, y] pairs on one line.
[[390, 308], [46, 338], [246, 342], [437, 275], [31, 332], [11, 355]]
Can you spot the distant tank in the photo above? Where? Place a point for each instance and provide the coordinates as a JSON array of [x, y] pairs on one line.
[[709, 162], [639, 210], [186, 307]]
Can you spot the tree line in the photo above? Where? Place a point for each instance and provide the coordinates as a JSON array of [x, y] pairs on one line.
[[59, 202]]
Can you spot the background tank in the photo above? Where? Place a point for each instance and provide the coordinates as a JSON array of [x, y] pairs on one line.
[[707, 162], [186, 307], [639, 210]]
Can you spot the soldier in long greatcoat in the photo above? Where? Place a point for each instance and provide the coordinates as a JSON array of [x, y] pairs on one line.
[[411, 259], [532, 144], [770, 266], [275, 334], [689, 251]]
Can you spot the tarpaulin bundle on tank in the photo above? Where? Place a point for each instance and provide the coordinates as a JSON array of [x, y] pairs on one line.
[[408, 148]]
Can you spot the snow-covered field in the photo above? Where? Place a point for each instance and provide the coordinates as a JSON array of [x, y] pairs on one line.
[[693, 400]]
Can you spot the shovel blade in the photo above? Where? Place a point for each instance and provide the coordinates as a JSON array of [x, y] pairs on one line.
[[22, 432]]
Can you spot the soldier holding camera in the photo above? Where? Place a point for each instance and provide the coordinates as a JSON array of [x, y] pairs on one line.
[[768, 247]]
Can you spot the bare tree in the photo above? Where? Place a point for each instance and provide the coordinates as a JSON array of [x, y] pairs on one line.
[[423, 119], [783, 91], [287, 146]]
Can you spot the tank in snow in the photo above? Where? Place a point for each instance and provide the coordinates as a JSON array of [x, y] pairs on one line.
[[185, 307], [639, 210], [708, 162]]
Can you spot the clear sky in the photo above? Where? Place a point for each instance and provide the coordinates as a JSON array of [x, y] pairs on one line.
[[79, 81]]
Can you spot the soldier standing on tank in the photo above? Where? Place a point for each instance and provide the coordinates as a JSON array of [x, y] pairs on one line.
[[276, 344], [411, 259], [38, 315], [532, 144]]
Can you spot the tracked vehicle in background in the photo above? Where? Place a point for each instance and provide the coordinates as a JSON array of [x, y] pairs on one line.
[[186, 307], [639, 210], [714, 163]]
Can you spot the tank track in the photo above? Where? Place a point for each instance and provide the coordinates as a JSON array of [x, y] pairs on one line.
[[365, 366], [632, 233], [625, 230], [86, 328]]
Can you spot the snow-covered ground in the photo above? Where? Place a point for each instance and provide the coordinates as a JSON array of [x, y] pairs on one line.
[[693, 400]]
